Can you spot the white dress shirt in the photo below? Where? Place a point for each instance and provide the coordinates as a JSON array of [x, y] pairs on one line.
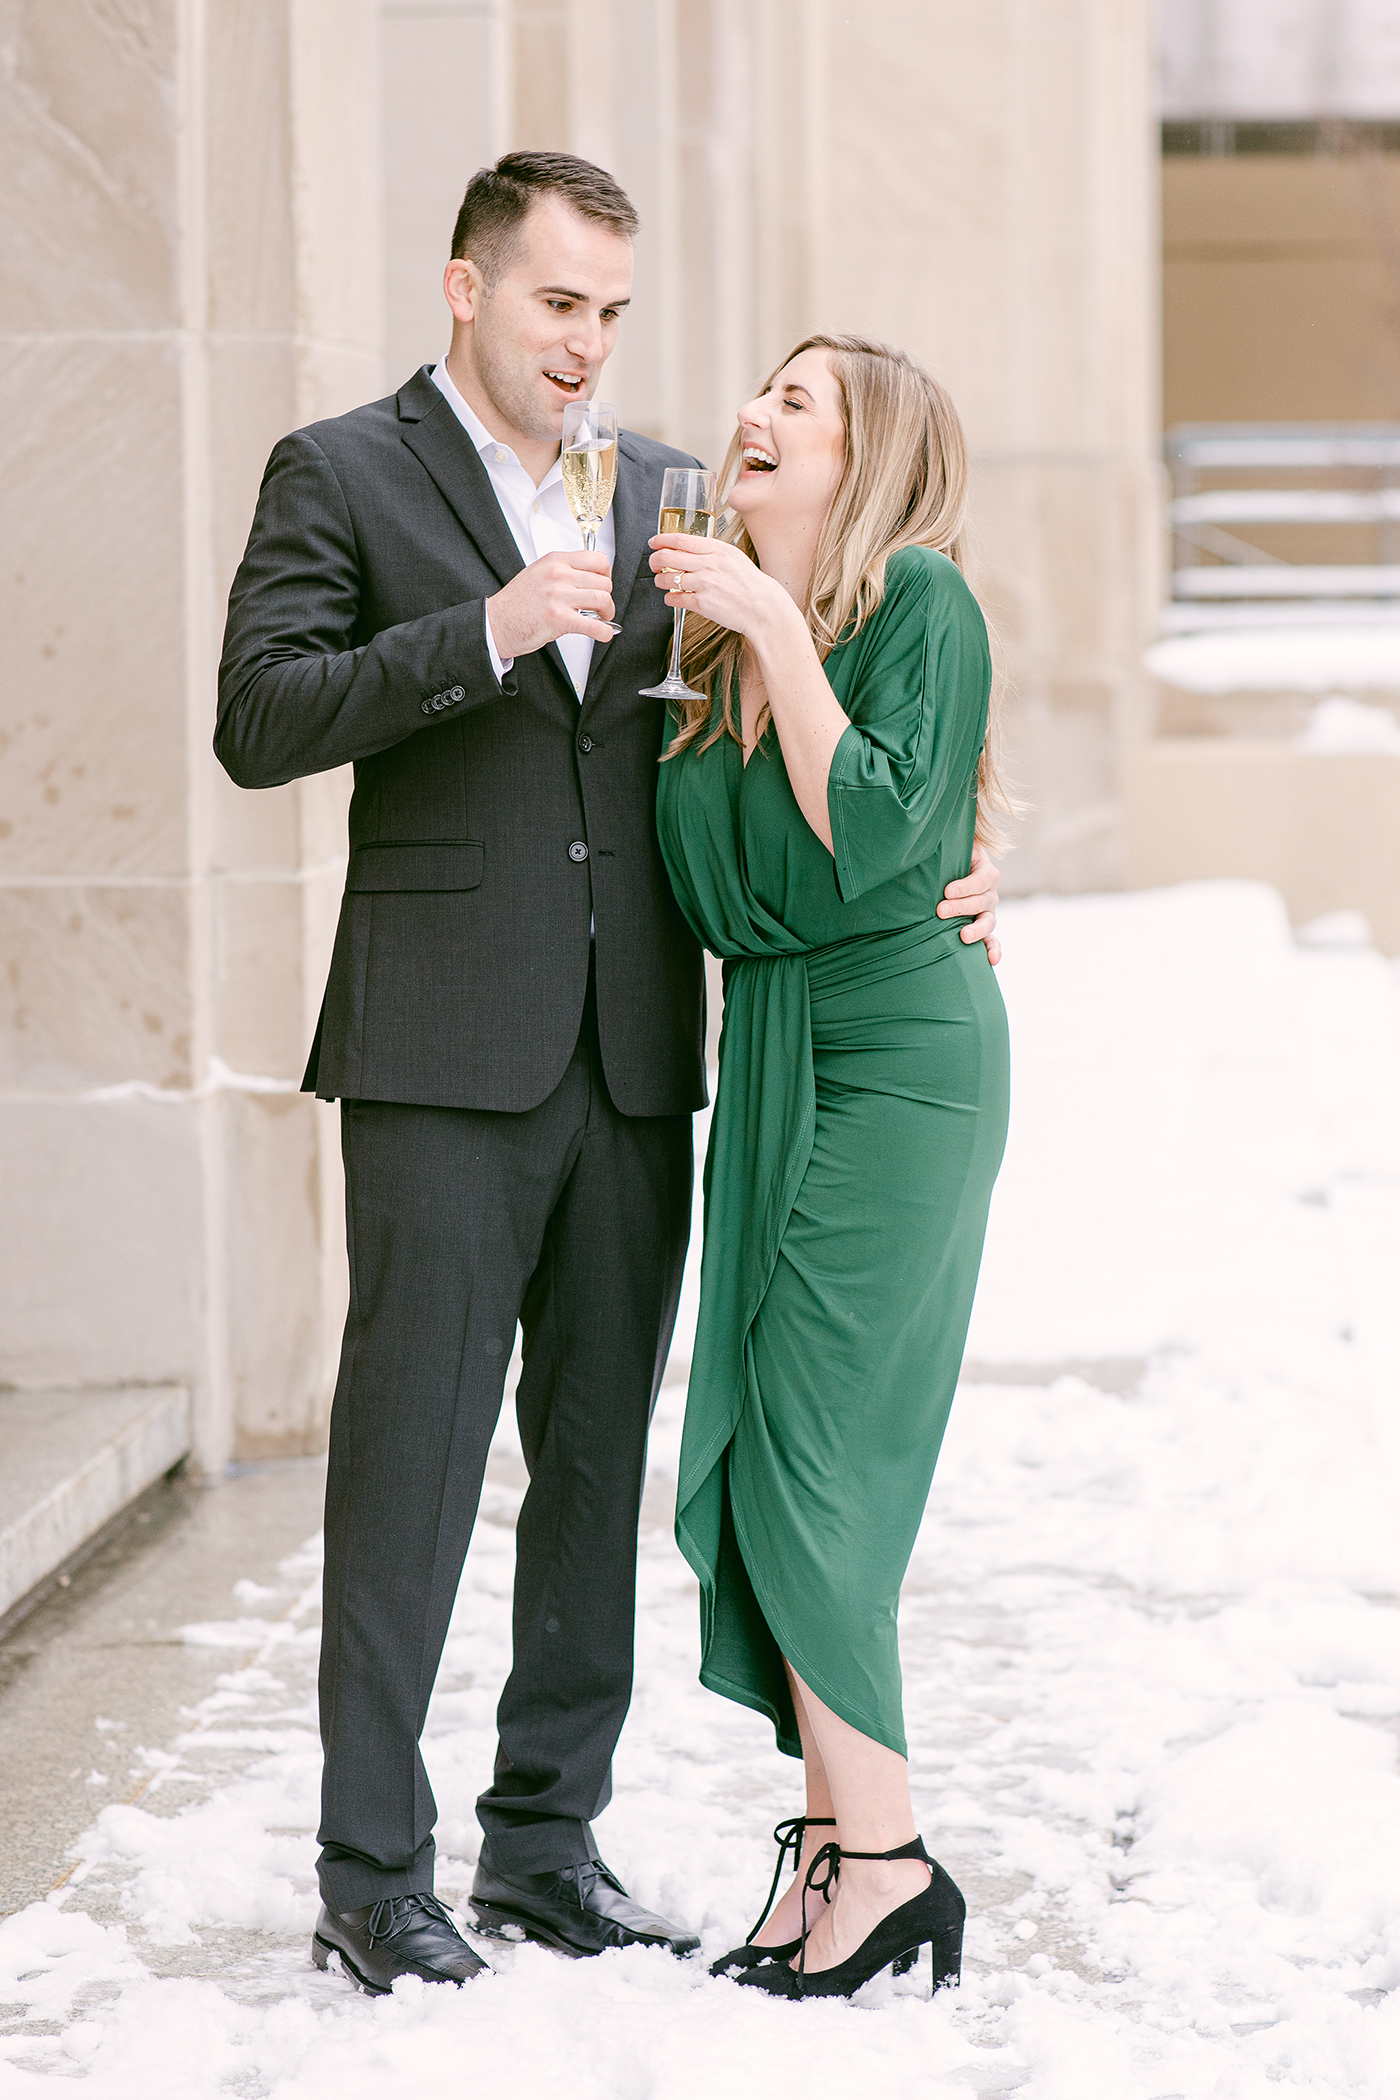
[[539, 518]]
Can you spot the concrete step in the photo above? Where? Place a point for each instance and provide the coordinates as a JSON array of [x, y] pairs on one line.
[[72, 1461]]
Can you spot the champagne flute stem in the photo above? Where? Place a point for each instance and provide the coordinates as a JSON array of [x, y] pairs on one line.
[[590, 539], [675, 670]]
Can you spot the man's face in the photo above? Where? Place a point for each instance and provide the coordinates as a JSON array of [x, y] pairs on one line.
[[540, 338]]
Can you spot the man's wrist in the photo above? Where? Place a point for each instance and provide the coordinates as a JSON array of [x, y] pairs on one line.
[[500, 665]]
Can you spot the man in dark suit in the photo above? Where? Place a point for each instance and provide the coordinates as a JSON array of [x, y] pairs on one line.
[[514, 1026]]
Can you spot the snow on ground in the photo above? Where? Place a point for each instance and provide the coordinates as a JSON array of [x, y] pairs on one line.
[[1289, 651], [1151, 1636], [1342, 728]]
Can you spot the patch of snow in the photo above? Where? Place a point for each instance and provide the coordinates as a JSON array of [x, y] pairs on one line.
[[1335, 929], [1151, 1637], [1283, 659], [1341, 728], [1278, 58]]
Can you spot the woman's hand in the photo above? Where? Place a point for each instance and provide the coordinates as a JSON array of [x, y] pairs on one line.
[[976, 892], [720, 583], [723, 585]]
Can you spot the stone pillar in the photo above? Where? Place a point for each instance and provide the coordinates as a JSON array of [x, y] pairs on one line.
[[190, 261], [446, 76]]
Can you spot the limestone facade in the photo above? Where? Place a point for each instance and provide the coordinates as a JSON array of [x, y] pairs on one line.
[[190, 267], [228, 217]]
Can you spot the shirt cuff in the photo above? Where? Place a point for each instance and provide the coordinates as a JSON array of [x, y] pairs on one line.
[[499, 664]]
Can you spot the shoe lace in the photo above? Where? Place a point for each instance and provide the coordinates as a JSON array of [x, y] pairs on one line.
[[586, 1877], [392, 1915], [788, 1838]]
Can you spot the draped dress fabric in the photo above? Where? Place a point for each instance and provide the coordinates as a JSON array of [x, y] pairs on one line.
[[858, 1128]]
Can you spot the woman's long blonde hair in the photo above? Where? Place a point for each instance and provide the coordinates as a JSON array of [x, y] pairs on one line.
[[903, 484]]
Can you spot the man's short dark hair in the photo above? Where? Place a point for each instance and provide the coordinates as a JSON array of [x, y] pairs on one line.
[[498, 200]]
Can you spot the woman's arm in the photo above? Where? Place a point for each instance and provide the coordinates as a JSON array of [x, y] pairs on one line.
[[723, 585], [809, 719]]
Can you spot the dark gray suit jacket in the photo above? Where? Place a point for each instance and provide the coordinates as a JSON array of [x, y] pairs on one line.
[[487, 822]]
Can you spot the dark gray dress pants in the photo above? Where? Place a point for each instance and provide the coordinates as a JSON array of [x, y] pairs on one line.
[[572, 1219]]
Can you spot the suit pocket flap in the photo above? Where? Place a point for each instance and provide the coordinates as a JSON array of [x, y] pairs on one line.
[[440, 864]]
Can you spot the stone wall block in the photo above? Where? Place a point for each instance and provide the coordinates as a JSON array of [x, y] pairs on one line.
[[1324, 830], [101, 1242], [91, 604], [87, 158], [95, 990], [444, 113], [261, 1005], [335, 187], [321, 891], [253, 402], [252, 829], [334, 377], [927, 137], [250, 236], [540, 71], [282, 1318], [641, 377], [324, 806]]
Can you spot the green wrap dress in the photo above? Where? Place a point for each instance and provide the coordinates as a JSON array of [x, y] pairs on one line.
[[857, 1131]]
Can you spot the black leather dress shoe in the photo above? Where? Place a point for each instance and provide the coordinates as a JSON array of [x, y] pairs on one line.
[[582, 1910], [398, 1936]]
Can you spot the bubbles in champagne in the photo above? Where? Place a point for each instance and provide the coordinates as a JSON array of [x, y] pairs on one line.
[[589, 468]]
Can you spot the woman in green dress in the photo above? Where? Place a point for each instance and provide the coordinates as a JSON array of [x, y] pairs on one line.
[[811, 811]]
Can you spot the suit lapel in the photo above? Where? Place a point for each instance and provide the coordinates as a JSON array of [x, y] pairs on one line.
[[634, 513], [435, 437]]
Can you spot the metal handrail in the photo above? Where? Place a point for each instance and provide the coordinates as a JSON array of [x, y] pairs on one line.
[[1241, 572], [1273, 445]]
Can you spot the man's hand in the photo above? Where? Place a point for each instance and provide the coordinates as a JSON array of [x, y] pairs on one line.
[[977, 893], [543, 601]]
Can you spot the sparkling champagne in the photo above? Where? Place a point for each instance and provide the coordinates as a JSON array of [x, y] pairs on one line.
[[701, 522], [590, 476], [689, 503]]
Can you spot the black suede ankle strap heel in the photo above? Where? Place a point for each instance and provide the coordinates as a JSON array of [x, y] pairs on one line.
[[935, 1917]]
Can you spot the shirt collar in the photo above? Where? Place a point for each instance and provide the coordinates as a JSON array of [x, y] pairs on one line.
[[471, 422]]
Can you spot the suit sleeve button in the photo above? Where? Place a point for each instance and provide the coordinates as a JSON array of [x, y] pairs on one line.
[[458, 692], [578, 851]]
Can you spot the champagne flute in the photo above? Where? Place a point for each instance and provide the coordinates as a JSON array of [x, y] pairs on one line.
[[689, 503], [588, 462]]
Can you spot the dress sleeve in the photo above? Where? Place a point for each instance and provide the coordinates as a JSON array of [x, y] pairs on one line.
[[907, 765]]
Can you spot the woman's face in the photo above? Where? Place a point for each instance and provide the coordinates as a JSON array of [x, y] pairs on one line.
[[794, 441]]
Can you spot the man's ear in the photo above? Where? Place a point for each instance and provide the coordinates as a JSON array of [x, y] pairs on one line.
[[463, 288]]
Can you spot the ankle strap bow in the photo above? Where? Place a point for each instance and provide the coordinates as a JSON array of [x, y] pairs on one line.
[[788, 1838]]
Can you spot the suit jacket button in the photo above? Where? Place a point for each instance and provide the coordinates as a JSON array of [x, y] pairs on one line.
[[427, 707], [585, 743], [578, 851], [458, 692]]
